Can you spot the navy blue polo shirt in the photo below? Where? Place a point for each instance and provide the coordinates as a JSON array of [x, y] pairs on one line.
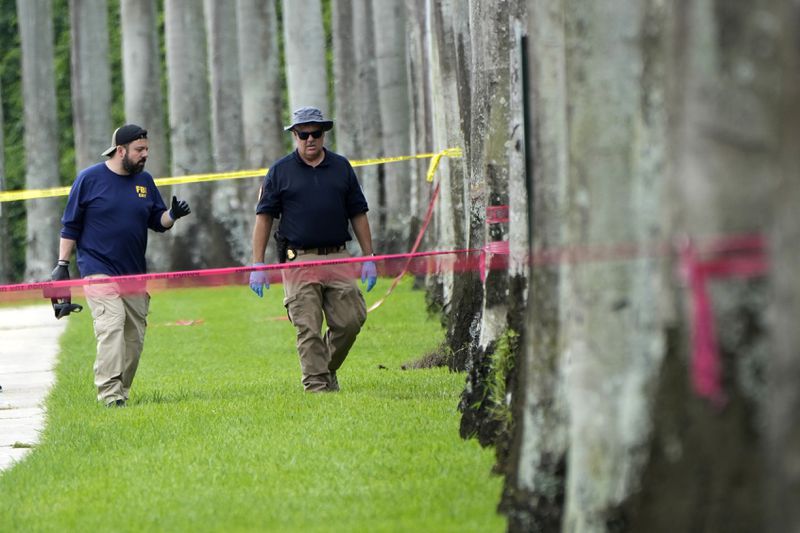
[[108, 214], [314, 204]]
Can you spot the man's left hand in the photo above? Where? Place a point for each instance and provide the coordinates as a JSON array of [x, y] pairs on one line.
[[369, 274], [180, 208]]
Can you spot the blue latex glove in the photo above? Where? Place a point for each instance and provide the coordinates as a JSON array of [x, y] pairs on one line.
[[259, 280], [369, 274]]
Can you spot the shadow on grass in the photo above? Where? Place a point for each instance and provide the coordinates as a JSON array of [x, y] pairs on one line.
[[255, 391], [164, 397]]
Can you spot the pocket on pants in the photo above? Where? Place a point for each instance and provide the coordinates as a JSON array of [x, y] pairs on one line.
[[287, 303], [98, 318], [97, 311]]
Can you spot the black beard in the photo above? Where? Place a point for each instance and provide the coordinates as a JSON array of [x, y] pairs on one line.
[[131, 167]]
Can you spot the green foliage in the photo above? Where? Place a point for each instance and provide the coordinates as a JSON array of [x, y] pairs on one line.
[[220, 437], [502, 365]]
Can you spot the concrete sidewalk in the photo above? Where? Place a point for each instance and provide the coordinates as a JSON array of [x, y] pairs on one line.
[[28, 349]]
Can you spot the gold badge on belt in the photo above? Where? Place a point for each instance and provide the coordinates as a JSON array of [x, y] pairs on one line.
[[291, 254]]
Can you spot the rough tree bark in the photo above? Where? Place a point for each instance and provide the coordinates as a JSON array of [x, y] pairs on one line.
[[612, 329], [389, 19], [35, 19], [345, 83], [304, 52], [728, 73], [195, 242], [369, 116], [520, 201], [487, 159], [458, 296], [141, 74], [233, 220], [421, 122], [90, 80], [262, 102], [259, 63], [783, 371], [535, 474]]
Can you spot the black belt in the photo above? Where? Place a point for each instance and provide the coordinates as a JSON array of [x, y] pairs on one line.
[[322, 250]]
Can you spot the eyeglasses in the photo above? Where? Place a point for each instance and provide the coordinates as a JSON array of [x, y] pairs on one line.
[[303, 135]]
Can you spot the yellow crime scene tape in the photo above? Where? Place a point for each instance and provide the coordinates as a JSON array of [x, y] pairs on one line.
[[32, 194]]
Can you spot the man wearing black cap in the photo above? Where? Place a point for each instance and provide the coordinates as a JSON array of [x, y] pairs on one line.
[[110, 207], [316, 195]]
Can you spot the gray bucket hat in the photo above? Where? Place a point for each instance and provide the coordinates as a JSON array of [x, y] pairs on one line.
[[308, 115]]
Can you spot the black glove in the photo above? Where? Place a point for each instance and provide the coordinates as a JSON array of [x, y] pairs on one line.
[[179, 209], [62, 298], [61, 271]]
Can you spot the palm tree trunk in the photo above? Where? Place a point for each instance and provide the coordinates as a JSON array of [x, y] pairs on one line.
[[91, 80], [41, 138], [535, 478], [390, 59], [5, 239], [196, 244], [227, 132], [142, 76], [262, 100], [304, 51]]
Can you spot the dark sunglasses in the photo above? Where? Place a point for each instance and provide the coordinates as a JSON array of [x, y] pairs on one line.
[[303, 135]]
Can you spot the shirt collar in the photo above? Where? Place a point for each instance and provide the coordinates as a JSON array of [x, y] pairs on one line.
[[325, 160]]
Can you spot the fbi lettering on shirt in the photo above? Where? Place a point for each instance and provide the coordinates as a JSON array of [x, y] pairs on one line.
[[141, 191]]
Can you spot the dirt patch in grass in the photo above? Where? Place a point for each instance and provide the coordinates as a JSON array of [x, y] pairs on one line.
[[429, 360]]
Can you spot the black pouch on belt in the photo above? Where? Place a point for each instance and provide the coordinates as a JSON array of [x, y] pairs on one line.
[[282, 245]]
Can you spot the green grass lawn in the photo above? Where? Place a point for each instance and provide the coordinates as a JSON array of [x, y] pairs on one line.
[[219, 435]]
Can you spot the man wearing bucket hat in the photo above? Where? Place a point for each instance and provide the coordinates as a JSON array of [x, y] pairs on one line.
[[110, 207], [315, 194]]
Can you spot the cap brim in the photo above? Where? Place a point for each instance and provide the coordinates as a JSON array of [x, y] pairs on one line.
[[109, 151], [327, 125]]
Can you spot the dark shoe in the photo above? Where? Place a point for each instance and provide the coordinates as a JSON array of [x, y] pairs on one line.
[[116, 403], [316, 386], [334, 385]]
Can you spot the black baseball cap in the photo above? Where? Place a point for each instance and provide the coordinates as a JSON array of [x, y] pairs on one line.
[[124, 135]]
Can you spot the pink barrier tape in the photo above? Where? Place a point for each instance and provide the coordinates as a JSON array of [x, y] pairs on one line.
[[742, 257], [494, 257], [239, 275], [417, 241], [737, 256], [497, 214], [435, 261]]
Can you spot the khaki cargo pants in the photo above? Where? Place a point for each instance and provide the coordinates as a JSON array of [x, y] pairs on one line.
[[310, 293], [120, 321]]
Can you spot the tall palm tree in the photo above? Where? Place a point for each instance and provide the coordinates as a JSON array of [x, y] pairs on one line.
[[197, 241], [90, 80], [304, 51], [39, 95], [390, 59], [144, 97]]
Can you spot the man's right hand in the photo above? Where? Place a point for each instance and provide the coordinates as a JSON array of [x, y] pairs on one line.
[[61, 271], [61, 298], [259, 280]]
